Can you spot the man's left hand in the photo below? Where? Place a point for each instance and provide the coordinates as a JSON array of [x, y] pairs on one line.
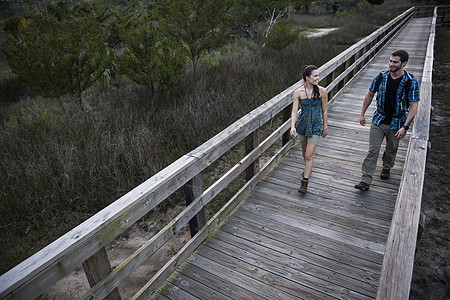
[[401, 133]]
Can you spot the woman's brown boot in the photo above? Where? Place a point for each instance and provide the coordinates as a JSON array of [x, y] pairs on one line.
[[303, 187]]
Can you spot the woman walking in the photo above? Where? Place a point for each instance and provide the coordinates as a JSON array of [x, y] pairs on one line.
[[313, 120]]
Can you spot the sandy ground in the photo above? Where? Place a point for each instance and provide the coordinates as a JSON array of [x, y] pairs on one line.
[[320, 32]]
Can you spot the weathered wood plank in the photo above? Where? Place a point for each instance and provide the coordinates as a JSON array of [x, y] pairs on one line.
[[395, 281], [237, 245], [334, 212], [251, 142], [347, 196], [192, 189], [306, 285], [245, 281], [98, 267], [320, 250], [195, 288], [277, 280], [383, 193], [221, 284], [328, 228], [173, 292], [158, 296]]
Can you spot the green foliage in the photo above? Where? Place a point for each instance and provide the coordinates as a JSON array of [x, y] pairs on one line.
[[299, 4], [246, 14], [40, 60], [281, 35], [151, 58], [35, 121], [345, 12], [15, 26], [200, 25], [65, 54]]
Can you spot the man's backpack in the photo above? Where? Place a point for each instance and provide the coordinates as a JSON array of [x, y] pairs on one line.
[[406, 87]]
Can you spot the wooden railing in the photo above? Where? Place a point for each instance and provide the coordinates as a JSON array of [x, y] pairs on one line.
[[85, 244], [396, 275], [443, 13]]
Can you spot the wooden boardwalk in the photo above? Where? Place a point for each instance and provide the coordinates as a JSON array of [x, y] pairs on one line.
[[327, 244]]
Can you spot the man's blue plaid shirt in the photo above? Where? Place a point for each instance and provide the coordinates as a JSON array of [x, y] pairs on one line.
[[401, 108]]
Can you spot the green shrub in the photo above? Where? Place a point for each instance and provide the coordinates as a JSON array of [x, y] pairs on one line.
[[281, 35]]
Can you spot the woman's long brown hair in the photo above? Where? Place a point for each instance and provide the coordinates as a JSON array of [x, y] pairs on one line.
[[307, 70]]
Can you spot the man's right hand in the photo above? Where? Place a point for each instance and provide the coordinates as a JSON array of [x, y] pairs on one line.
[[362, 120]]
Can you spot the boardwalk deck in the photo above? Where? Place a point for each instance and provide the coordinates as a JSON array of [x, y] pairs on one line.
[[327, 244]]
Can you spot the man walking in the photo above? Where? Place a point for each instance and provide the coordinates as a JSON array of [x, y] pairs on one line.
[[397, 91]]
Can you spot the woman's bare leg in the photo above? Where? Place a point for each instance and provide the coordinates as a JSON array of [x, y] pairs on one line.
[[308, 156]]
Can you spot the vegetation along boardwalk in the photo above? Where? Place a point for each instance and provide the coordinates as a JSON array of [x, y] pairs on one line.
[[268, 241], [327, 244]]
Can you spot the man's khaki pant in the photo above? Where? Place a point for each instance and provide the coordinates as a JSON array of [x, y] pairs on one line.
[[377, 134]]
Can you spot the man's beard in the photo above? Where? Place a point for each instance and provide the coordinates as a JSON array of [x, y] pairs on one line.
[[394, 69]]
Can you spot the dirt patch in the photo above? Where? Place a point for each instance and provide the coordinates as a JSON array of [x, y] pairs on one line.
[[320, 32]]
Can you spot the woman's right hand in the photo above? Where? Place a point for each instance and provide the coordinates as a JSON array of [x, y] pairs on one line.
[[293, 132]]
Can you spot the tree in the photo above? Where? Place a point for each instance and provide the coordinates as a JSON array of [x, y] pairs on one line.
[[38, 62], [246, 14], [15, 26], [151, 57], [60, 56], [88, 53], [281, 35], [200, 25], [305, 4]]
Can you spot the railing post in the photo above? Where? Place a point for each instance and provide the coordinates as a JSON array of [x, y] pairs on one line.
[[286, 115], [328, 80], [251, 142], [98, 267], [350, 62], [192, 189], [342, 70]]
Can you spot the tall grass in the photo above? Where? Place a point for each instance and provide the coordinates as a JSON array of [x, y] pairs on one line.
[[55, 173]]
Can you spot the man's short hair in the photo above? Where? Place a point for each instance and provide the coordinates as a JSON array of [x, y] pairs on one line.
[[404, 56]]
